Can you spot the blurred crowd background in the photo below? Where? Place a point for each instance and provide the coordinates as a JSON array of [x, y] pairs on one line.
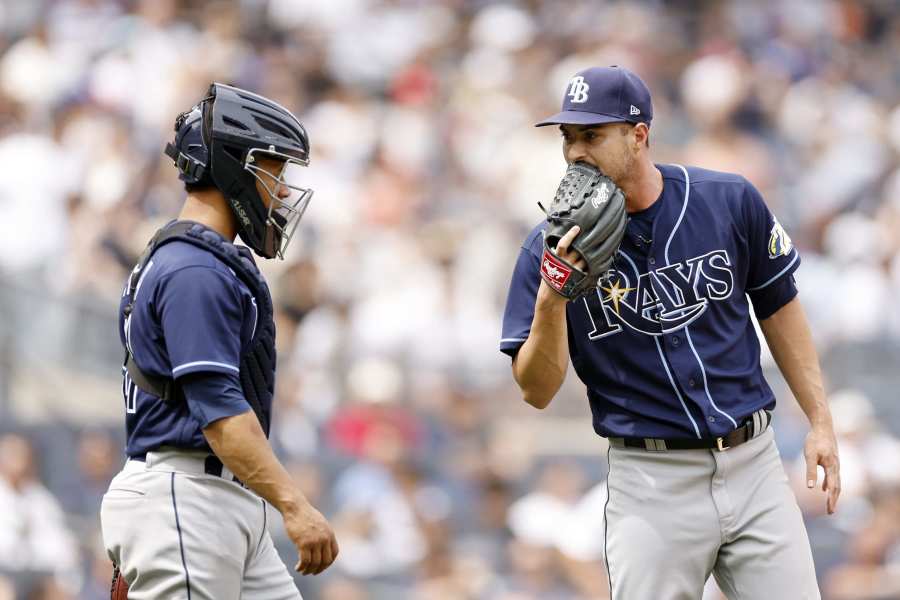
[[395, 411]]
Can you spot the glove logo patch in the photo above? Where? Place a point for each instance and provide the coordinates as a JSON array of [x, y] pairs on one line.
[[780, 243], [554, 272], [600, 196], [578, 90]]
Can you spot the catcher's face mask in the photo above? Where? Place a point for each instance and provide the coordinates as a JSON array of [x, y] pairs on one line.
[[278, 175]]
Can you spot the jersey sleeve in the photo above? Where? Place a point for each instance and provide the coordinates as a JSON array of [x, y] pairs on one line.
[[214, 396], [523, 288], [768, 300], [772, 255], [201, 314]]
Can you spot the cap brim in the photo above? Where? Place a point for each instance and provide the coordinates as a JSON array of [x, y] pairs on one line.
[[578, 117]]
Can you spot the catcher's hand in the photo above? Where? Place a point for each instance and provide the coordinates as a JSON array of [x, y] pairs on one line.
[[589, 199]]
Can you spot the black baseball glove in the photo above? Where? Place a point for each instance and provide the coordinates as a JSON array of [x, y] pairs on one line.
[[587, 198]]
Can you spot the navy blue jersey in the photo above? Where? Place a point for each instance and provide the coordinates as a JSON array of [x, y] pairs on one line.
[[191, 316], [667, 348]]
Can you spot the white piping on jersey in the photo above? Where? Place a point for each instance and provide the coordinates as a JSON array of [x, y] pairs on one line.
[[255, 315], [687, 332], [141, 280], [512, 340], [780, 273], [705, 384], [208, 363], [675, 387], [687, 192], [137, 289], [665, 364]]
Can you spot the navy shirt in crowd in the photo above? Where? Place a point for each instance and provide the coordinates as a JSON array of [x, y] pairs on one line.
[[192, 319], [667, 348]]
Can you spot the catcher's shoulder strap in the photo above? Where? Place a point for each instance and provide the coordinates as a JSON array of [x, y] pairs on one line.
[[258, 362]]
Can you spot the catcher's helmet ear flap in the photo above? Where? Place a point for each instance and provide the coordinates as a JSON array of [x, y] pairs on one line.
[[190, 150]]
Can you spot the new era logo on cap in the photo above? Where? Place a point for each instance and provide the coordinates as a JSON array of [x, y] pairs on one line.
[[604, 95]]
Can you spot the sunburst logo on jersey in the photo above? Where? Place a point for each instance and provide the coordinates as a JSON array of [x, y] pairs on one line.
[[615, 293], [780, 243]]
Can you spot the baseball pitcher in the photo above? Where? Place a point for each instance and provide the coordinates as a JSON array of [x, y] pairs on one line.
[[645, 274]]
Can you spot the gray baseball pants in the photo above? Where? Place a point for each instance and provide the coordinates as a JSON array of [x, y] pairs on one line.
[[674, 517], [178, 533]]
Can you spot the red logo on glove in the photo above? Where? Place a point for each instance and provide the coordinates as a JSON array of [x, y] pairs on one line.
[[553, 271]]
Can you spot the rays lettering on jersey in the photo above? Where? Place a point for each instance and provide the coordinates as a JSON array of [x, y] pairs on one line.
[[660, 301]]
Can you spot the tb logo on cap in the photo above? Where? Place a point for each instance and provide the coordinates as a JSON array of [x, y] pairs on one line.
[[578, 90]]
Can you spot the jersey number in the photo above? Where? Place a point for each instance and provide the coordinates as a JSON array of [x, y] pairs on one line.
[[129, 390]]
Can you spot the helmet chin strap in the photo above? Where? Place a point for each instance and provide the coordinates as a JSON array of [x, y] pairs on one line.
[[272, 242]]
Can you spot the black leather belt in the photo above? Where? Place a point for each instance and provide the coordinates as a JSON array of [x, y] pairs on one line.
[[752, 426], [214, 466]]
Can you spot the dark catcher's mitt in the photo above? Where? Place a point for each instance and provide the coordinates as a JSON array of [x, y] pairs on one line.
[[587, 198]]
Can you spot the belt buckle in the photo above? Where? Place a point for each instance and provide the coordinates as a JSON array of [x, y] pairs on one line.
[[720, 444]]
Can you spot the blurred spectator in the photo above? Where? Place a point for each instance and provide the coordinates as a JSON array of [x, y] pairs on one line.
[[34, 535], [872, 570]]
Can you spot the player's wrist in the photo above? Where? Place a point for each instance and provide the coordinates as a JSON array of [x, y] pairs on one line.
[[549, 298], [822, 425], [291, 503], [820, 417]]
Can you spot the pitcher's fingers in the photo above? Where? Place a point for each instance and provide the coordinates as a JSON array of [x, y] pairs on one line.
[[565, 240], [315, 561], [304, 559], [811, 474], [834, 487], [327, 557], [829, 500]]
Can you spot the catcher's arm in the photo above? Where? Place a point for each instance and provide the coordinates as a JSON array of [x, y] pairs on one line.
[[241, 445], [539, 367]]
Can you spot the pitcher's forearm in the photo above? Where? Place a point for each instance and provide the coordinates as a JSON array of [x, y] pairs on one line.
[[541, 363], [790, 340]]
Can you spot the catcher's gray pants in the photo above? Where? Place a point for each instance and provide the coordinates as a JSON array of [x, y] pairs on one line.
[[178, 533], [674, 517]]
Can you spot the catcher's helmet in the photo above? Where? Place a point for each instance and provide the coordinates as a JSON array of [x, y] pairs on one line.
[[220, 141]]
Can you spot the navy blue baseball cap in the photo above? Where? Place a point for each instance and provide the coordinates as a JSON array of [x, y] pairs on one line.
[[604, 95]]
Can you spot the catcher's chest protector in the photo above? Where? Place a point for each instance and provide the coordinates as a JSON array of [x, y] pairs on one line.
[[257, 368]]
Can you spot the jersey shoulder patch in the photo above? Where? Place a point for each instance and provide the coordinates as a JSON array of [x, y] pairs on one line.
[[780, 243]]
